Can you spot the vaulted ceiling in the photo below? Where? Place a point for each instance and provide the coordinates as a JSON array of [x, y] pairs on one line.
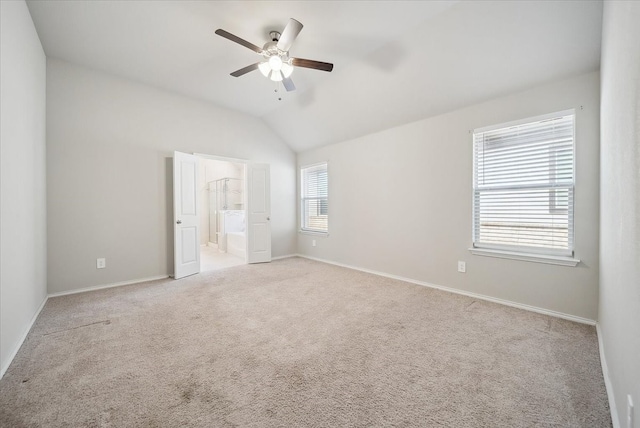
[[395, 62]]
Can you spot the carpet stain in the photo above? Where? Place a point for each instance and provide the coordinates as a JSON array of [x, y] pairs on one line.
[[187, 395]]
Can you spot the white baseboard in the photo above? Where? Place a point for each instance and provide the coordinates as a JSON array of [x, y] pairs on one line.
[[607, 380], [13, 354], [605, 370], [462, 292], [115, 284]]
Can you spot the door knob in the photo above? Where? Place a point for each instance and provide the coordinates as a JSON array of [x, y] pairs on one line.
[[179, 221], [268, 218]]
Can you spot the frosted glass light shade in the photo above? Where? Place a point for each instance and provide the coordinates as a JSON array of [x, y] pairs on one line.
[[275, 69], [276, 76], [264, 68], [286, 69], [275, 63]]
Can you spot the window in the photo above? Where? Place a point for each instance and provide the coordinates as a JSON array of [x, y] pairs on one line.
[[523, 183], [314, 199]]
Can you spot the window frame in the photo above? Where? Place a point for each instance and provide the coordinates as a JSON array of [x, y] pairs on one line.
[[304, 198], [527, 253]]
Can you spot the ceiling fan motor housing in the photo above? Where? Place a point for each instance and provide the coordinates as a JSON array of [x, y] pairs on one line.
[[270, 49]]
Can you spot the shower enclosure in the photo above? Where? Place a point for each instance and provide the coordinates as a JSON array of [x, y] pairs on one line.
[[226, 198]]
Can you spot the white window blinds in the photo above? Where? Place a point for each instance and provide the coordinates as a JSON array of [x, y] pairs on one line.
[[523, 186], [315, 191]]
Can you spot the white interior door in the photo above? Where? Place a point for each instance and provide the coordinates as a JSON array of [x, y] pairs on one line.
[[259, 212], [186, 236]]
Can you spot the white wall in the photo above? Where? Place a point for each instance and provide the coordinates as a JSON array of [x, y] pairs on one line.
[[110, 143], [619, 314], [23, 257], [400, 202]]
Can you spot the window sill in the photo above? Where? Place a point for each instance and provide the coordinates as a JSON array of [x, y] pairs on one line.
[[526, 257], [314, 233]]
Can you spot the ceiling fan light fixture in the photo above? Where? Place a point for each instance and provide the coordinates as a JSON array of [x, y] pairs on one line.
[[275, 62], [276, 76], [286, 69], [264, 68]]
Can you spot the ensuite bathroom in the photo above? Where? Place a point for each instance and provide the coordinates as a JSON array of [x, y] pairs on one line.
[[222, 214]]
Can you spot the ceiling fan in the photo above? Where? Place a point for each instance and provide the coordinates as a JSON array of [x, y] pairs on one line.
[[276, 63]]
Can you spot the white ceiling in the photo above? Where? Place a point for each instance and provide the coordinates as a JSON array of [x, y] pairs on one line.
[[395, 62]]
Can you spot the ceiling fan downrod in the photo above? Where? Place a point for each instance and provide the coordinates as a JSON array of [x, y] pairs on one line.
[[275, 36]]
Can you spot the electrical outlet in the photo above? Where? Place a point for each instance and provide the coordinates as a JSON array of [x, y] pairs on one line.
[[101, 263], [629, 411], [462, 266], [313, 242]]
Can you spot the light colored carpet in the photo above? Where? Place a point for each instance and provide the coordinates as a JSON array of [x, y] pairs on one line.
[[297, 343]]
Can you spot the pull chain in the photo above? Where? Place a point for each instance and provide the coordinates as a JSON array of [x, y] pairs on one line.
[[277, 91]]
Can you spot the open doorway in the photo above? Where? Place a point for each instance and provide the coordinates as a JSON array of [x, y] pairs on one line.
[[251, 226], [222, 213]]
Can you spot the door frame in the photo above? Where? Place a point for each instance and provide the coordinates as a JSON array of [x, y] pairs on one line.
[[245, 196]]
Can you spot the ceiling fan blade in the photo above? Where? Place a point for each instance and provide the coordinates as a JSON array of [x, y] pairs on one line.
[[233, 38], [245, 70], [288, 84], [309, 63], [289, 34]]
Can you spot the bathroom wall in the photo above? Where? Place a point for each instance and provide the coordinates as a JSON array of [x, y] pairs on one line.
[[211, 170]]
